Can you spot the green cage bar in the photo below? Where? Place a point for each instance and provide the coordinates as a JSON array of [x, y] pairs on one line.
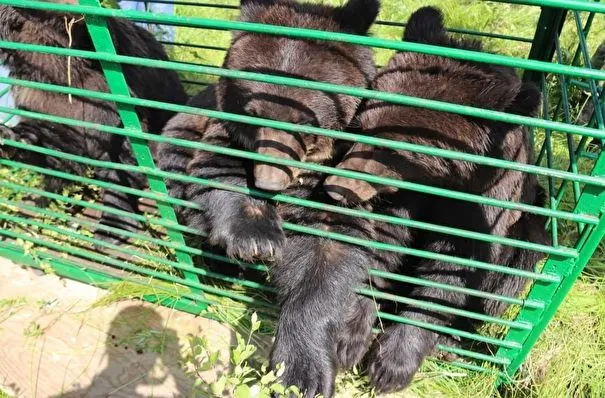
[[60, 239]]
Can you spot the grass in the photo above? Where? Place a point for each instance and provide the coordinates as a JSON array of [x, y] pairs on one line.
[[568, 360], [569, 356]]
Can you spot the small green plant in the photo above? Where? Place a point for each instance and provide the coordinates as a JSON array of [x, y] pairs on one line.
[[10, 306], [244, 379], [146, 340], [4, 394], [138, 289], [33, 330]]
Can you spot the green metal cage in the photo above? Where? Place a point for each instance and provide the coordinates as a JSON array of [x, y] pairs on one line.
[[568, 139]]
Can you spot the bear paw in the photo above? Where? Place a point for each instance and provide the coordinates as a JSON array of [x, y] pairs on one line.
[[253, 235], [395, 358], [313, 374]]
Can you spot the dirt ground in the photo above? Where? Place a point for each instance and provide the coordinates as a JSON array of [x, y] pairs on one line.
[[55, 343]]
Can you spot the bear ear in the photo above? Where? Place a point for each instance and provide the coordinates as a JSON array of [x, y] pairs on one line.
[[266, 3], [357, 15], [425, 26], [528, 100]]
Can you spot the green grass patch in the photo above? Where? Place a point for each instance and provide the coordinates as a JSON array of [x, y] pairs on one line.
[[4, 394], [568, 358]]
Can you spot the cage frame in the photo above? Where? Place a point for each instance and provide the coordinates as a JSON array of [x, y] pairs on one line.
[[551, 284]]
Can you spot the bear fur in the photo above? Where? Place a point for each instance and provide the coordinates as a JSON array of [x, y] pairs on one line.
[[48, 28], [400, 349]]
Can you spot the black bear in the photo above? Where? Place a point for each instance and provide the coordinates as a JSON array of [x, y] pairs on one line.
[[400, 349], [52, 29], [313, 274]]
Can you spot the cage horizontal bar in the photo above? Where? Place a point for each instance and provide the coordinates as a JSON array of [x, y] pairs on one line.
[[474, 355], [99, 278], [158, 197], [95, 225], [320, 168], [378, 22], [62, 263], [443, 308], [476, 368], [143, 219], [460, 351], [188, 63], [127, 266], [301, 229], [193, 4], [533, 304], [45, 256], [474, 198], [307, 230], [428, 150], [258, 267], [394, 98], [62, 231], [141, 255], [242, 282], [449, 330], [460, 31], [191, 45], [585, 86], [543, 277], [317, 35], [182, 282], [76, 235], [129, 252], [195, 82], [94, 206], [561, 250], [188, 302], [311, 166]]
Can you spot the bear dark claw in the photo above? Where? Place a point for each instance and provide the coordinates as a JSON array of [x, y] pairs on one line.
[[252, 237], [397, 355], [312, 376], [388, 373]]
